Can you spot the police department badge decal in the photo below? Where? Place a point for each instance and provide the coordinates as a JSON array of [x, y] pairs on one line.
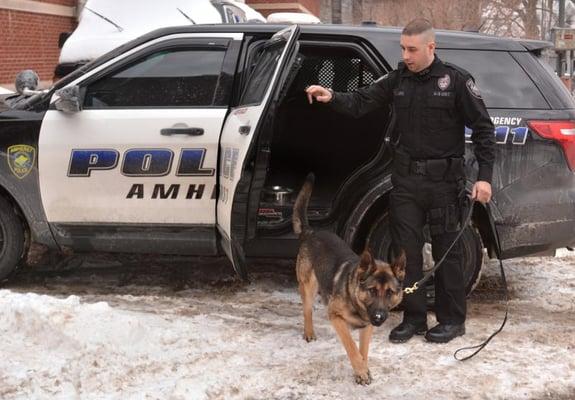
[[473, 88], [21, 159], [444, 82]]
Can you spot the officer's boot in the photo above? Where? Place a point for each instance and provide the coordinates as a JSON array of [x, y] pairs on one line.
[[405, 331]]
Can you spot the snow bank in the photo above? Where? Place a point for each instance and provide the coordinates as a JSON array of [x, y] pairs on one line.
[[143, 342]]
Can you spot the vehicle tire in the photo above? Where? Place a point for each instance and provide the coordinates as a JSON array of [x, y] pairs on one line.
[[11, 239], [379, 240]]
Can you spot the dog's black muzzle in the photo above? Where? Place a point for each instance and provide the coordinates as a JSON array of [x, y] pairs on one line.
[[379, 317]]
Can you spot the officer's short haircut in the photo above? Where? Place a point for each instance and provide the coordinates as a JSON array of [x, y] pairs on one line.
[[417, 27]]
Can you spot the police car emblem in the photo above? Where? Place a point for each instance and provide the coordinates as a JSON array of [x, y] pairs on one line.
[[473, 88], [444, 82], [21, 159]]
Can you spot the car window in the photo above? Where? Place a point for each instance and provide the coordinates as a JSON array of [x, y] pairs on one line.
[[184, 77], [341, 69], [552, 81], [501, 80], [262, 73]]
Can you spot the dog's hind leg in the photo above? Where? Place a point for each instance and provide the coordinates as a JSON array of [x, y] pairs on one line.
[[361, 373], [308, 288]]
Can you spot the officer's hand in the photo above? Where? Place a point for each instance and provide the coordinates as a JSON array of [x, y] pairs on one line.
[[320, 93], [481, 192]]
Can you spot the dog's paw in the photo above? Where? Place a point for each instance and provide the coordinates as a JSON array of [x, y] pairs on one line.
[[363, 378], [309, 338]]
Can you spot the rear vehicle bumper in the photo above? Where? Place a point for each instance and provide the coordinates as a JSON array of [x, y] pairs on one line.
[[537, 212], [532, 238]]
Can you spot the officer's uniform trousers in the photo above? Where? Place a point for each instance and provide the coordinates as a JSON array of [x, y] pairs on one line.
[[417, 200]]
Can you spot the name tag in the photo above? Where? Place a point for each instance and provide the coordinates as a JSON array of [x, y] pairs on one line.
[[442, 94]]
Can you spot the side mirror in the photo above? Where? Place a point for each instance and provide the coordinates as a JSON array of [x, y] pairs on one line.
[[70, 99], [26, 80]]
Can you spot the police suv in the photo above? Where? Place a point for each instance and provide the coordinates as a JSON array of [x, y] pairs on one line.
[[195, 140]]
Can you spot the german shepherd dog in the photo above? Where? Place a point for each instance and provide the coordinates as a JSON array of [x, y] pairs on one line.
[[359, 291]]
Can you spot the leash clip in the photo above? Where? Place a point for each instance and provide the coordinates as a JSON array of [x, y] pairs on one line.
[[411, 290]]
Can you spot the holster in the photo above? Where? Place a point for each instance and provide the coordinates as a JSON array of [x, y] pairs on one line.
[[444, 219]]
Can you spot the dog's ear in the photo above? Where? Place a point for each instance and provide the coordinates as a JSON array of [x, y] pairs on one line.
[[365, 262], [398, 266]]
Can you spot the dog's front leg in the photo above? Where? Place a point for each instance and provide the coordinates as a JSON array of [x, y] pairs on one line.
[[364, 339], [359, 365]]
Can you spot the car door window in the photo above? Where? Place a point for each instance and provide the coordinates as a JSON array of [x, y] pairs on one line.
[[262, 74], [175, 77]]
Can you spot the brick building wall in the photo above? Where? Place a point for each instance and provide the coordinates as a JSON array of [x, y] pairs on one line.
[[266, 7], [352, 12], [29, 32]]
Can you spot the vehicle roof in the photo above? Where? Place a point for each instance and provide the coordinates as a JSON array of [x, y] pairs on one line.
[[445, 39]]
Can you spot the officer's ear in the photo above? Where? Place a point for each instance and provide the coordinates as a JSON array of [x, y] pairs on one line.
[[431, 46]]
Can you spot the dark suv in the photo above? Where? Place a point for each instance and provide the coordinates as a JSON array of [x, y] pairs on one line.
[[193, 140]]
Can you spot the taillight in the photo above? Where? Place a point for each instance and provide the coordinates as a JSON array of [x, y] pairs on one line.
[[560, 131]]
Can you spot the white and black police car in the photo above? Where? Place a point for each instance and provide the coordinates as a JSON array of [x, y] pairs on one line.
[[194, 140]]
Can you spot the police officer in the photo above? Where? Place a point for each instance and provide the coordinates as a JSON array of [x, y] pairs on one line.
[[432, 103]]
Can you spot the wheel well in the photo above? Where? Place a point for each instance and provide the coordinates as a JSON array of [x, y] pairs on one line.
[[18, 210], [363, 228], [480, 220]]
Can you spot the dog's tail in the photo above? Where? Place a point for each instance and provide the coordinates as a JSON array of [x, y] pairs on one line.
[[299, 216]]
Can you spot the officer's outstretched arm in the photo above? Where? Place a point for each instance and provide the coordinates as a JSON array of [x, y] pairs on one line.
[[319, 93], [358, 103]]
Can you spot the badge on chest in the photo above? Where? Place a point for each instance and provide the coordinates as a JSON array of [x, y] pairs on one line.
[[444, 82]]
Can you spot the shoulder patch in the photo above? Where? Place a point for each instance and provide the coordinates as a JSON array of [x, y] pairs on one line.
[[473, 89]]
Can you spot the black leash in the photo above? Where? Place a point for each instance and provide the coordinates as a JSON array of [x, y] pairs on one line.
[[428, 275], [481, 346]]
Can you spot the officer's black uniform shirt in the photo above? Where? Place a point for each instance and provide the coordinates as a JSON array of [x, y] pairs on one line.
[[432, 108]]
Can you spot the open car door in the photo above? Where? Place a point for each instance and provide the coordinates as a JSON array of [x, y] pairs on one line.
[[269, 72]]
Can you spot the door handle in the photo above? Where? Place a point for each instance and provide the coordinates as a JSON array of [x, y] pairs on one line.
[[182, 131]]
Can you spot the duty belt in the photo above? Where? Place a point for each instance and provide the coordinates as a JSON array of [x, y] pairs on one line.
[[436, 169]]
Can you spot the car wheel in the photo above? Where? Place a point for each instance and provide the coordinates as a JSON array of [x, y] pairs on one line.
[[11, 239], [379, 240]]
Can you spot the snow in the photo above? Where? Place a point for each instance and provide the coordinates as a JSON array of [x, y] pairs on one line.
[[94, 36], [131, 333]]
